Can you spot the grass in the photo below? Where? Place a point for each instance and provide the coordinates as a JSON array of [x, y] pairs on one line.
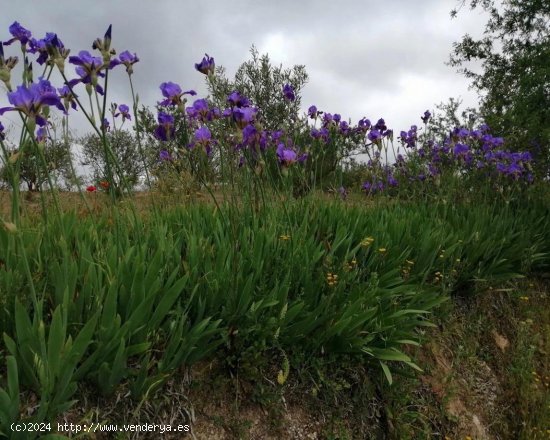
[[308, 313]]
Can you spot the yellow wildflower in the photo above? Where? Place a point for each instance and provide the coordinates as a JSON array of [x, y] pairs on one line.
[[366, 242]]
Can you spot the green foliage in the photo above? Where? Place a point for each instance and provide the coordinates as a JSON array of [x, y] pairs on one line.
[[123, 143], [263, 83], [515, 77], [32, 171], [301, 279]]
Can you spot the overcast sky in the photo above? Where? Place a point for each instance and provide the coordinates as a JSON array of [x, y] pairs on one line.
[[364, 58]]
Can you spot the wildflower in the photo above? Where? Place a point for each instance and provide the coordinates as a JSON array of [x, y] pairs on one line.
[[32, 99], [91, 188], [366, 242], [244, 116], [382, 250], [124, 111], [344, 128], [104, 184], [165, 130], [372, 187], [351, 265], [128, 60], [19, 34], [69, 98], [235, 99], [165, 155], [312, 112], [524, 298], [286, 155], [288, 92], [203, 137], [49, 47], [322, 133], [206, 66], [460, 149], [41, 135], [200, 110], [426, 117], [105, 125], [381, 125], [364, 124], [173, 93], [374, 135], [284, 237], [88, 68], [332, 279]]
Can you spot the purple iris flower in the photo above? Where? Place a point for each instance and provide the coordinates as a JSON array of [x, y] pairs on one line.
[[203, 137], [426, 117], [327, 119], [235, 99], [173, 94], [288, 92], [199, 110], [461, 149], [2, 134], [165, 155], [392, 180], [206, 66], [322, 133], [344, 127], [461, 132], [30, 100], [165, 130], [128, 60], [381, 125], [203, 134], [526, 157], [286, 156], [244, 116], [250, 134], [124, 111], [68, 97], [312, 112], [41, 135], [105, 125], [276, 135], [372, 187], [49, 44], [88, 67], [364, 124], [336, 118], [19, 34], [374, 135]]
